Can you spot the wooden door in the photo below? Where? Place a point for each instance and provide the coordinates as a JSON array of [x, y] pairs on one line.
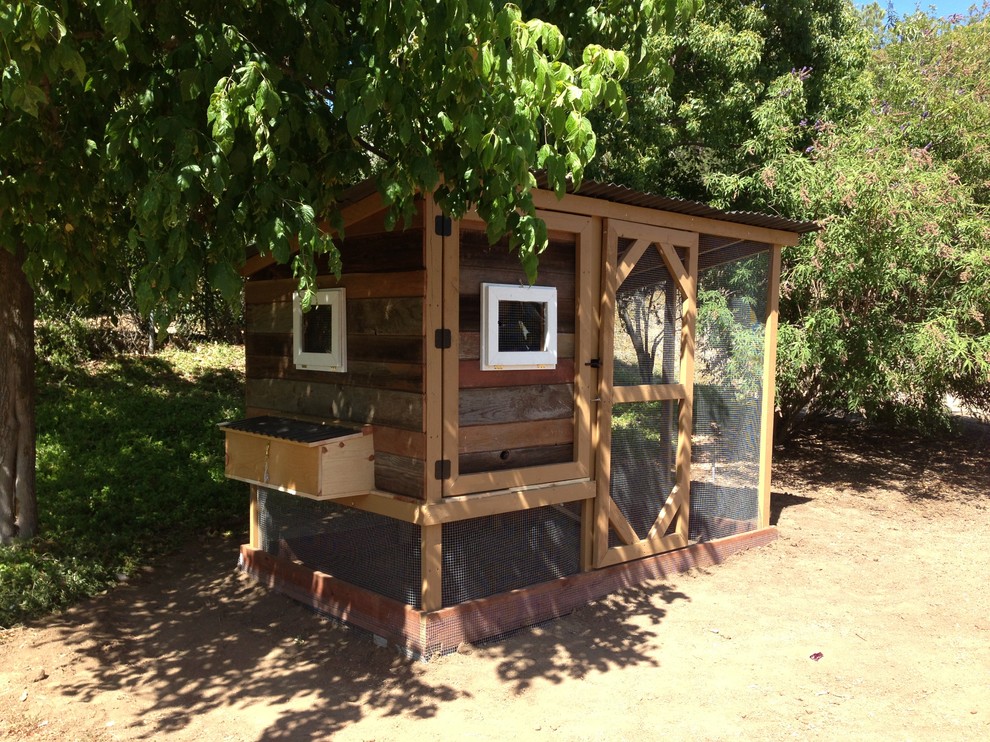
[[520, 429], [648, 317]]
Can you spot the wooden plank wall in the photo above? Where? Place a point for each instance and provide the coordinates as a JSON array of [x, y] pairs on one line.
[[512, 419], [385, 279]]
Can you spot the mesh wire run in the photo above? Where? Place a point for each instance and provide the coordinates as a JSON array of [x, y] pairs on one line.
[[647, 334], [643, 461], [497, 553], [727, 394], [372, 551]]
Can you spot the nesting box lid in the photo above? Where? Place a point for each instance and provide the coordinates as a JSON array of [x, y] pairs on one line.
[[289, 429]]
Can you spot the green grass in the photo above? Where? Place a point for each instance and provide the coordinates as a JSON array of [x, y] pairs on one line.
[[130, 466]]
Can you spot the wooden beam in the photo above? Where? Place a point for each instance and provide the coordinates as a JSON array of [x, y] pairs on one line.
[[644, 548], [769, 388], [665, 518], [629, 260], [400, 507], [451, 320], [483, 482], [587, 405], [664, 219], [675, 266], [609, 282], [621, 524], [588, 534], [647, 393], [507, 501]]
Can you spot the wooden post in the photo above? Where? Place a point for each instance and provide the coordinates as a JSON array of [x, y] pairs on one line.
[[769, 388], [603, 471], [433, 320], [254, 520], [431, 567], [435, 247], [685, 415]]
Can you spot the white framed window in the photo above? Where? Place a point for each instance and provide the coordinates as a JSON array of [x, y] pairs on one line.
[[518, 327], [319, 336]]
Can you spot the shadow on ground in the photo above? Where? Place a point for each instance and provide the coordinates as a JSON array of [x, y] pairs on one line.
[[196, 636], [860, 459]]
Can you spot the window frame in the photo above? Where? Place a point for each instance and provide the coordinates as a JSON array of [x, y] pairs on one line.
[[334, 361], [493, 359]]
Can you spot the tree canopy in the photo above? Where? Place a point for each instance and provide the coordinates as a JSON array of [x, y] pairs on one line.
[[173, 137], [874, 126], [885, 311], [186, 132]]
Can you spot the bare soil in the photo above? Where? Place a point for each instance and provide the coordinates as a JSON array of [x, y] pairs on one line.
[[881, 572]]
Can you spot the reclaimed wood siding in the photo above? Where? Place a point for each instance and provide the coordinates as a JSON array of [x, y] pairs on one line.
[[514, 419], [385, 278]]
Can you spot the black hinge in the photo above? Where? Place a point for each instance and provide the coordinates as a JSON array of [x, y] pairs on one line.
[[442, 339], [443, 225], [594, 363], [442, 469]]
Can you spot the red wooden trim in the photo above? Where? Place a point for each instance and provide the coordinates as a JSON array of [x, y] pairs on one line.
[[472, 377]]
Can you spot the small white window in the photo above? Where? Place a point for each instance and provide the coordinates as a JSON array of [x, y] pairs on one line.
[[319, 336], [518, 327]]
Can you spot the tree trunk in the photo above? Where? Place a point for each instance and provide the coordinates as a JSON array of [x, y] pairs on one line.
[[18, 504]]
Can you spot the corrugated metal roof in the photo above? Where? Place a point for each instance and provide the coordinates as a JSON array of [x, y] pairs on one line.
[[623, 195]]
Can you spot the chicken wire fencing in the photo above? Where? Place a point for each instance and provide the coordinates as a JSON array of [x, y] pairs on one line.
[[498, 553], [729, 348], [647, 332], [643, 462], [481, 556], [371, 551]]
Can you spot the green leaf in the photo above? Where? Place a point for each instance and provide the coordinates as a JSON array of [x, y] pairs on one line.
[[28, 98], [223, 277]]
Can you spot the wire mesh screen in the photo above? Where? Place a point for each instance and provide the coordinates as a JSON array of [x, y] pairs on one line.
[[318, 329], [643, 461], [497, 553], [368, 550], [728, 387], [522, 326], [647, 334]]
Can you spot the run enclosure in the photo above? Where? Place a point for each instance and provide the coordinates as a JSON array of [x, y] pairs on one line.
[[510, 453]]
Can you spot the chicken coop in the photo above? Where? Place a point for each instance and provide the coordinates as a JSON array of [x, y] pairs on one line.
[[439, 452]]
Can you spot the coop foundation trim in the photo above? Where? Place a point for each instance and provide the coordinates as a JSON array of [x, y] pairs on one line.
[[425, 633]]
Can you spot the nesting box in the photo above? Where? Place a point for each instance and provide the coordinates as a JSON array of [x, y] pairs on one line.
[[533, 447], [321, 462]]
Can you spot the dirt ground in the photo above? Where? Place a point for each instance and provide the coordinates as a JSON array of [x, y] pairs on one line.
[[882, 567]]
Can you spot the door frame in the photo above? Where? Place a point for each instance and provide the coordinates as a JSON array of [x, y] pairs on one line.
[[587, 278], [676, 508]]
